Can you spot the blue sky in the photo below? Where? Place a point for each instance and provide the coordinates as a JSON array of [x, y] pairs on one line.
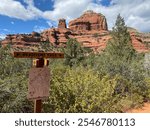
[[14, 25], [25, 16]]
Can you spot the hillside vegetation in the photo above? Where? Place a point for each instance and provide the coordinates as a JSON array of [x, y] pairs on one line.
[[112, 81]]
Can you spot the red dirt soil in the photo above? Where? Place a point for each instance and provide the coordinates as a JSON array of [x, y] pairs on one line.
[[144, 109]]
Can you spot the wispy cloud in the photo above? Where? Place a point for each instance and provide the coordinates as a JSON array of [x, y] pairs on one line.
[[15, 9], [6, 30], [135, 12], [67, 9], [38, 28], [2, 36], [51, 23], [12, 22]]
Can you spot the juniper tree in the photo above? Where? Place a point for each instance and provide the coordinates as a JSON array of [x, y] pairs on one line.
[[119, 52], [74, 52], [120, 46]]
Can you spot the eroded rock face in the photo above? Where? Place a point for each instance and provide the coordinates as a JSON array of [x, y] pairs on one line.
[[62, 23], [90, 30], [89, 21], [22, 39], [139, 40]]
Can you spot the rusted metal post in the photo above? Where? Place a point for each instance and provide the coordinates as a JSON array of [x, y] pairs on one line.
[[38, 103]]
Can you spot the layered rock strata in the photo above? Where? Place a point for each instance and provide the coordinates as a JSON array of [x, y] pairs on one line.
[[90, 29]]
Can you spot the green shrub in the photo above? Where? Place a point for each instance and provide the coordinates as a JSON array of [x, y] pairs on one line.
[[13, 82], [147, 80], [82, 90], [13, 91]]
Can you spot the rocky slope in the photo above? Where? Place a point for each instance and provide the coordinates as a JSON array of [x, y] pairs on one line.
[[90, 30], [140, 41]]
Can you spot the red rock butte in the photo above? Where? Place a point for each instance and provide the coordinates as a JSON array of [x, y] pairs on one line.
[[90, 29], [89, 21]]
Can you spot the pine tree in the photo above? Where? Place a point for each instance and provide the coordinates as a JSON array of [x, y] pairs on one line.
[[74, 53], [120, 45], [119, 53]]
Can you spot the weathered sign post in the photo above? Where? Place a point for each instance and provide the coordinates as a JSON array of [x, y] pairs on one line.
[[39, 76]]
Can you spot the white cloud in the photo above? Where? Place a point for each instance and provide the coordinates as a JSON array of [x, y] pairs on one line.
[[67, 9], [35, 12], [98, 1], [135, 12], [38, 28], [6, 30], [2, 36], [51, 23], [15, 9], [138, 23], [29, 2]]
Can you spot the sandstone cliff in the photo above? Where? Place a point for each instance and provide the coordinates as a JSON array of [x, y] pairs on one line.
[[90, 29], [89, 21]]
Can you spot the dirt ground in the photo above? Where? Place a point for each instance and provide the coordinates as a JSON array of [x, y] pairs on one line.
[[144, 109]]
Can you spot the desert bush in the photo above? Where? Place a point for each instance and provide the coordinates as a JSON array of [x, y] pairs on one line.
[[13, 82], [13, 91], [75, 89], [81, 90], [147, 80], [10, 65]]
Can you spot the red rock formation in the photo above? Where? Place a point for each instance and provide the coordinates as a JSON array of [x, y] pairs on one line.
[[138, 43], [22, 39], [89, 21], [62, 23], [90, 29]]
